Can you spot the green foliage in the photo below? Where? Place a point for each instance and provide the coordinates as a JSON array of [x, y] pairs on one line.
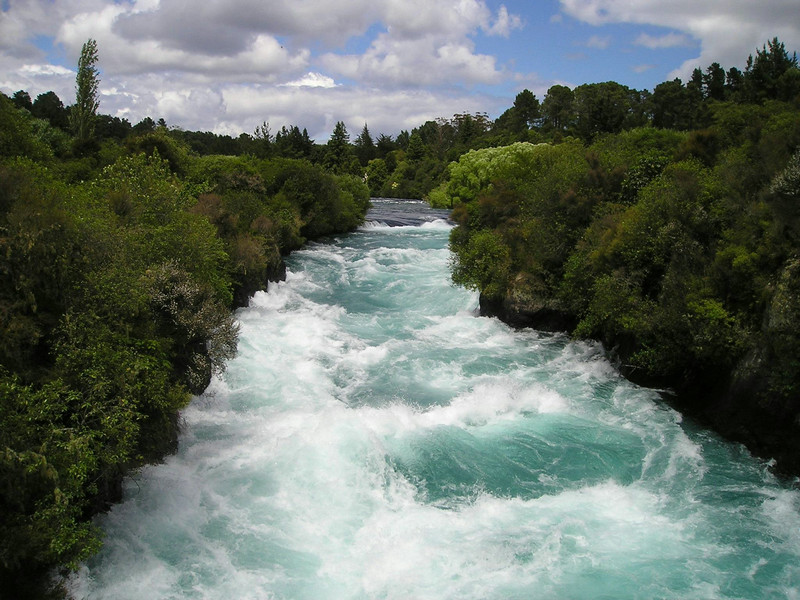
[[480, 262], [87, 83], [17, 133], [115, 298], [601, 108], [161, 143], [766, 76], [340, 157]]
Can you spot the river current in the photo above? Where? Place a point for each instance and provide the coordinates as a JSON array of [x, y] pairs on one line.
[[375, 438]]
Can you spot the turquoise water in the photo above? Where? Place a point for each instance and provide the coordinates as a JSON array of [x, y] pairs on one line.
[[374, 438]]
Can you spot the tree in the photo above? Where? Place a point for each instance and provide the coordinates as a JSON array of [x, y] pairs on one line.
[[48, 106], [763, 73], [339, 157], [714, 82], [292, 143], [146, 125], [526, 107], [364, 146], [22, 99], [384, 144], [734, 84], [416, 147], [264, 140], [601, 108], [87, 82], [557, 107], [671, 104]]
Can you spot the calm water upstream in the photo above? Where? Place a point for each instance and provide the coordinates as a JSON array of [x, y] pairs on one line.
[[375, 439]]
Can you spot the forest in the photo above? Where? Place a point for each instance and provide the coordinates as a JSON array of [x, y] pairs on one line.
[[663, 223]]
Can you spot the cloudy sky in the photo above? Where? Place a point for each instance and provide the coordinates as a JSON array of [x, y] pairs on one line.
[[228, 65]]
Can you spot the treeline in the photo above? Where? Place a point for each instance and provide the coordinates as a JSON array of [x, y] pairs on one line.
[[122, 254], [679, 249], [413, 163]]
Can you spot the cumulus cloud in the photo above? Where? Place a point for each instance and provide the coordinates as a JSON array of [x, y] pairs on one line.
[[505, 23], [428, 43], [311, 79], [227, 27], [669, 40], [728, 30], [415, 63], [228, 65]]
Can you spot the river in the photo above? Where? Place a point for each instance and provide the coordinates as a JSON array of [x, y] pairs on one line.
[[375, 438]]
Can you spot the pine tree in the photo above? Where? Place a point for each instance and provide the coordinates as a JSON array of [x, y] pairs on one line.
[[339, 156], [364, 146]]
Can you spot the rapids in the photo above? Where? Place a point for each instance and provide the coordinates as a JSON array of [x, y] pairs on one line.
[[374, 438]]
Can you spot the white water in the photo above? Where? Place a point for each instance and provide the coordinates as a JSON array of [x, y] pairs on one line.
[[375, 439]]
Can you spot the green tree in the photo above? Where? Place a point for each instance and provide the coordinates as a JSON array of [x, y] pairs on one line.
[[48, 106], [764, 71], [714, 82], [22, 99], [601, 108], [416, 147], [384, 145], [87, 83], [671, 106], [339, 157], [292, 143], [557, 109], [264, 140], [527, 109], [364, 147]]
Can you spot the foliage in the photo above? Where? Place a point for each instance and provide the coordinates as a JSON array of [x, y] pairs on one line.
[[87, 84], [115, 306]]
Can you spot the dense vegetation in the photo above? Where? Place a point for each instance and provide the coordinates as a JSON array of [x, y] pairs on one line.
[[121, 258], [679, 248]]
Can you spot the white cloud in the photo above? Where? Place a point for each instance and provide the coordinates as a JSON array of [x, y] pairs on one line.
[[228, 65], [35, 70], [669, 40], [505, 23], [599, 42], [311, 79], [728, 30], [421, 62]]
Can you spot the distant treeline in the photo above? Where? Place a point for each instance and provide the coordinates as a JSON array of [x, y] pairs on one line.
[[413, 163], [677, 245]]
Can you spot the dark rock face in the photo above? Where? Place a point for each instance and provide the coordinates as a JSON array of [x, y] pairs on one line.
[[250, 285], [519, 314]]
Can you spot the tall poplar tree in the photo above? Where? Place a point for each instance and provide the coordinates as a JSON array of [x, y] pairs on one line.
[[84, 111]]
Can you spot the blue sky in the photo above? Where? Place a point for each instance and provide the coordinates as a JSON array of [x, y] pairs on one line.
[[229, 65]]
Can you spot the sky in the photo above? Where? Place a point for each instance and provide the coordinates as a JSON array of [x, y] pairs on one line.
[[228, 66]]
